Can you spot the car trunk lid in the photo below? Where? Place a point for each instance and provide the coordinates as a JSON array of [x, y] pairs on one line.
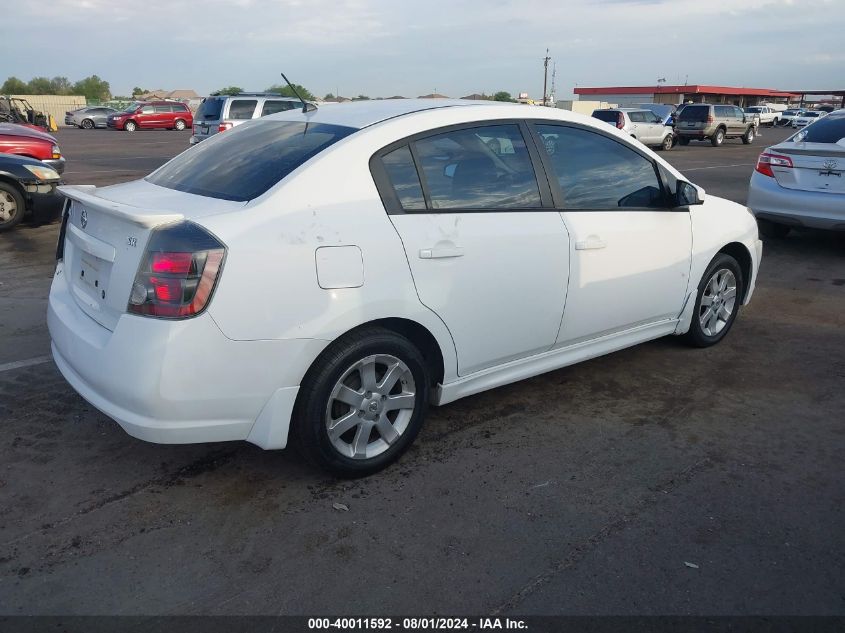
[[815, 167], [106, 235]]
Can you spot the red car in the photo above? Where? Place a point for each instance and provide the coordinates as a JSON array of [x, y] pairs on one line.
[[25, 141], [170, 115]]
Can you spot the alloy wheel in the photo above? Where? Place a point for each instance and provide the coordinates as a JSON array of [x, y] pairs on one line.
[[370, 406], [717, 302], [8, 207]]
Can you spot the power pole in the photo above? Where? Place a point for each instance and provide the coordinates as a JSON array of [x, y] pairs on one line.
[[546, 60]]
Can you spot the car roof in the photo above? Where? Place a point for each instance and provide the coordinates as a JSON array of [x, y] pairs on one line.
[[361, 114]]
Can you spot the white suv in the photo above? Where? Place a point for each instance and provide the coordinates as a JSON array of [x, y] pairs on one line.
[[219, 113], [327, 276], [643, 125]]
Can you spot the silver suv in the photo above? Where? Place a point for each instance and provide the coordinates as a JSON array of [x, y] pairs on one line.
[[219, 113], [643, 125]]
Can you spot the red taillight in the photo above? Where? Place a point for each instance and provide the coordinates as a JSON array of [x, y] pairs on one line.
[[178, 273], [620, 120], [173, 263], [710, 118], [224, 126], [767, 161]]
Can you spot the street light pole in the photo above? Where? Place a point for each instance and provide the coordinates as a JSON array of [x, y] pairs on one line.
[[545, 74]]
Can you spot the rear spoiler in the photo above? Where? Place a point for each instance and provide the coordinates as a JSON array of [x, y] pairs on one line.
[[85, 195]]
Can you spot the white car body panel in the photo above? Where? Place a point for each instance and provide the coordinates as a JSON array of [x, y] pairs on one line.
[[233, 372]]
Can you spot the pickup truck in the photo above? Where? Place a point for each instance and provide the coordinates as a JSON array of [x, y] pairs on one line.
[[767, 115]]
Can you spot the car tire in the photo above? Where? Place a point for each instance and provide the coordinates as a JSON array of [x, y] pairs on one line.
[[667, 143], [12, 206], [773, 229], [718, 138], [346, 390], [684, 140], [721, 285], [749, 135], [179, 125], [87, 124], [130, 126]]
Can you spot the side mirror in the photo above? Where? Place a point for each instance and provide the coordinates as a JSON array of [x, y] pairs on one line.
[[688, 195]]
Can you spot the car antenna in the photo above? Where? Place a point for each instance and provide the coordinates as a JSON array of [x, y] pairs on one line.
[[305, 107]]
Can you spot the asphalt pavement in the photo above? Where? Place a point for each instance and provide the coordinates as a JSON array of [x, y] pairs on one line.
[[657, 480]]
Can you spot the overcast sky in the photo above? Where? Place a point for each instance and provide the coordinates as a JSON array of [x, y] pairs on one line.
[[456, 47]]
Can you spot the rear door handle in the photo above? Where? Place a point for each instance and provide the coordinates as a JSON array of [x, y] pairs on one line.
[[591, 243], [441, 252]]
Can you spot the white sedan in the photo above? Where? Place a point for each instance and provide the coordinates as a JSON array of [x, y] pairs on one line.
[[326, 276], [807, 117]]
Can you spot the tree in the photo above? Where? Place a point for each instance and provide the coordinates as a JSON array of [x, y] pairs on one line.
[[60, 86], [93, 88], [39, 86], [503, 96], [138, 91], [229, 90], [285, 91], [361, 98], [13, 86], [329, 97]]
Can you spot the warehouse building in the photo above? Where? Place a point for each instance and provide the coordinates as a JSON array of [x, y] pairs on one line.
[[629, 95]]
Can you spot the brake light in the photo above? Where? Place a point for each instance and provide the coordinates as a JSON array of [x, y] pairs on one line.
[[620, 120], [178, 273], [710, 118], [224, 126], [766, 161]]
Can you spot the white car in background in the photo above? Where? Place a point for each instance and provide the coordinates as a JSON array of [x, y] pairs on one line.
[[807, 117], [328, 275], [640, 123], [787, 116], [801, 181]]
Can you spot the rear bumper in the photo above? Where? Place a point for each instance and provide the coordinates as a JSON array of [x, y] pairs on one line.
[[178, 382], [769, 201]]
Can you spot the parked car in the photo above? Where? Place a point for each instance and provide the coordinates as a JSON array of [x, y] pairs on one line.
[[663, 110], [219, 113], [27, 141], [643, 125], [170, 115], [27, 189], [801, 181], [787, 116], [807, 117], [705, 121], [767, 115], [336, 272], [90, 117]]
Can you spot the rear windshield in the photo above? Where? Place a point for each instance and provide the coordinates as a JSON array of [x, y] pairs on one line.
[[245, 162], [830, 129], [608, 116], [695, 113], [210, 109]]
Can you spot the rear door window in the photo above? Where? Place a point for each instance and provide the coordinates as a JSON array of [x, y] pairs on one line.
[[596, 172], [404, 179], [479, 168], [163, 108], [245, 162], [723, 112], [637, 117], [271, 106], [242, 108]]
